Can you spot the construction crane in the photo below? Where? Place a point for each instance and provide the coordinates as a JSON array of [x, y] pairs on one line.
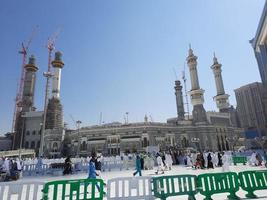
[[185, 90], [51, 46], [19, 92], [48, 75]]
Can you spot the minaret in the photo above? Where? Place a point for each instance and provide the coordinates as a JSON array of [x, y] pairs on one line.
[[221, 98], [179, 100], [27, 103], [58, 65], [197, 99], [54, 117], [29, 85]]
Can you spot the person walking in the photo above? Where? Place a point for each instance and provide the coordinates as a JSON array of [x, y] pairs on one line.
[[92, 171], [210, 164], [225, 162], [138, 166], [160, 164], [67, 166]]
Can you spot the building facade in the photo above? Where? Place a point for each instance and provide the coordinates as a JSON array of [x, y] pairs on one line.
[[250, 107], [259, 44]]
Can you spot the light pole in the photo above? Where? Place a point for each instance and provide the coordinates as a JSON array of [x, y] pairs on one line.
[[48, 75], [78, 123], [127, 117]]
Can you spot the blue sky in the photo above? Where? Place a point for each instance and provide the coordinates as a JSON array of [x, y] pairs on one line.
[[119, 54]]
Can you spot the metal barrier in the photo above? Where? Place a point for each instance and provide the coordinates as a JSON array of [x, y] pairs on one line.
[[83, 189], [33, 169], [21, 190], [215, 183], [239, 159], [131, 188], [85, 166], [168, 186], [112, 164], [251, 181]]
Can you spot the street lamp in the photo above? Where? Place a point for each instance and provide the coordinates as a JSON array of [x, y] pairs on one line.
[[78, 123], [48, 75]]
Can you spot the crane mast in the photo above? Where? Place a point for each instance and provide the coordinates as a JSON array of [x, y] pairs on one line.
[[18, 99]]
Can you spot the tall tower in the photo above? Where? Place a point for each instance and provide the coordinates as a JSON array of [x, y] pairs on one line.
[[197, 99], [29, 85], [27, 103], [179, 100], [54, 117], [221, 98]]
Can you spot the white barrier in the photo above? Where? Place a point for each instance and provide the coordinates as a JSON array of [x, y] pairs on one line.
[[21, 191], [130, 188]]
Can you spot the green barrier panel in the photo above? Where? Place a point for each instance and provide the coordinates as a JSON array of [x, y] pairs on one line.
[[239, 159], [215, 183], [168, 186], [251, 181], [83, 189]]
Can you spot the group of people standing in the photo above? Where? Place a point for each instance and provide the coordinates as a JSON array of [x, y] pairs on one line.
[[209, 160], [10, 168]]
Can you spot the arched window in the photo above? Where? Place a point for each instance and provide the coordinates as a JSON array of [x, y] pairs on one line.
[[184, 142], [28, 133], [38, 144], [83, 146], [55, 147], [145, 142], [34, 132], [32, 145], [26, 145]]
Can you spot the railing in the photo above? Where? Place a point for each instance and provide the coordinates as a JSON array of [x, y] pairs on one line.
[[215, 183], [129, 188], [74, 189], [239, 159], [21, 190], [146, 188], [251, 181], [169, 186]]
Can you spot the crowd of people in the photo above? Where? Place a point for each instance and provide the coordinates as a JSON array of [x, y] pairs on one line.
[[11, 168]]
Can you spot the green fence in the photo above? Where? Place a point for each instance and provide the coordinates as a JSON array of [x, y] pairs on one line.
[[168, 186], [239, 159], [215, 183], [251, 181], [83, 189]]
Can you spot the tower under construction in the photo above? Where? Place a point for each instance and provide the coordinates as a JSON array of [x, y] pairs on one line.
[[54, 116], [27, 101]]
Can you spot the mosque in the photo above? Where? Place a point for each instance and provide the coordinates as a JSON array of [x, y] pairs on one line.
[[200, 131]]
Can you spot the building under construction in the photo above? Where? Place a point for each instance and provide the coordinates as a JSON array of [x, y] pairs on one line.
[[29, 121]]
